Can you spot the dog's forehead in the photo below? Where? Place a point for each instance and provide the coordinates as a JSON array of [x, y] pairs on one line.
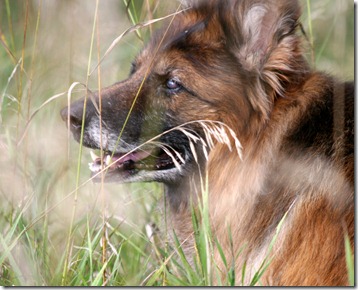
[[162, 64], [188, 32]]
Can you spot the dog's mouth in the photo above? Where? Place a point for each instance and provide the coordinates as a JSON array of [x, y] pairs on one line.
[[125, 166]]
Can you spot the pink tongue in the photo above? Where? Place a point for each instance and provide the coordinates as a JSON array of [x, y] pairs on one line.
[[134, 156]]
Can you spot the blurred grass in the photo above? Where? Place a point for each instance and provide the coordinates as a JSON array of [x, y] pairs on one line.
[[44, 48]]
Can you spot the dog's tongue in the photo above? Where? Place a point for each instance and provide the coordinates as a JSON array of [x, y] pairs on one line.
[[117, 160], [120, 158]]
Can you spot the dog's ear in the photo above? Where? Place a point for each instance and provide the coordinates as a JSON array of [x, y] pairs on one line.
[[189, 3], [265, 25], [268, 47], [185, 3]]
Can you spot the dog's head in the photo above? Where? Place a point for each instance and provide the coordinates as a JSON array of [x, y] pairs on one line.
[[222, 61]]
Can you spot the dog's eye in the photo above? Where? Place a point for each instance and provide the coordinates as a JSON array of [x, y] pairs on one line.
[[173, 85]]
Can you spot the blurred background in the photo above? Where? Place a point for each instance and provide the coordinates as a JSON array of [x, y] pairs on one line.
[[47, 205]]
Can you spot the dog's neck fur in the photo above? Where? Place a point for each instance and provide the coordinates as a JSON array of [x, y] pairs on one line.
[[235, 205], [267, 183], [228, 210]]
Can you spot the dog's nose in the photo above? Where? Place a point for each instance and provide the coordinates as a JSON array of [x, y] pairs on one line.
[[74, 116]]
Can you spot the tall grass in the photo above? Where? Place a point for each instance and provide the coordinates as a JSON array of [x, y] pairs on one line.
[[56, 227]]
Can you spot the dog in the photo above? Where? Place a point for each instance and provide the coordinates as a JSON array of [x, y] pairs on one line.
[[223, 91]]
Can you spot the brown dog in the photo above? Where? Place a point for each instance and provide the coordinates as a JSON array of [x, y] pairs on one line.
[[237, 64]]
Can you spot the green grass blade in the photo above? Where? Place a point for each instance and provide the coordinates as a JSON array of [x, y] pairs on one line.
[[186, 266], [349, 260], [267, 260], [7, 253], [221, 252], [133, 15], [310, 29], [98, 280], [8, 12], [243, 274]]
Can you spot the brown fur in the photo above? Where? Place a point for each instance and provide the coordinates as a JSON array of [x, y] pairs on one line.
[[241, 63]]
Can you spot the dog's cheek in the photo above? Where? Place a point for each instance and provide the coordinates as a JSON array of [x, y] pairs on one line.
[[187, 108]]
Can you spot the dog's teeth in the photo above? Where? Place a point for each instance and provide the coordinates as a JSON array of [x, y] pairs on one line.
[[94, 167], [107, 160], [93, 155]]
